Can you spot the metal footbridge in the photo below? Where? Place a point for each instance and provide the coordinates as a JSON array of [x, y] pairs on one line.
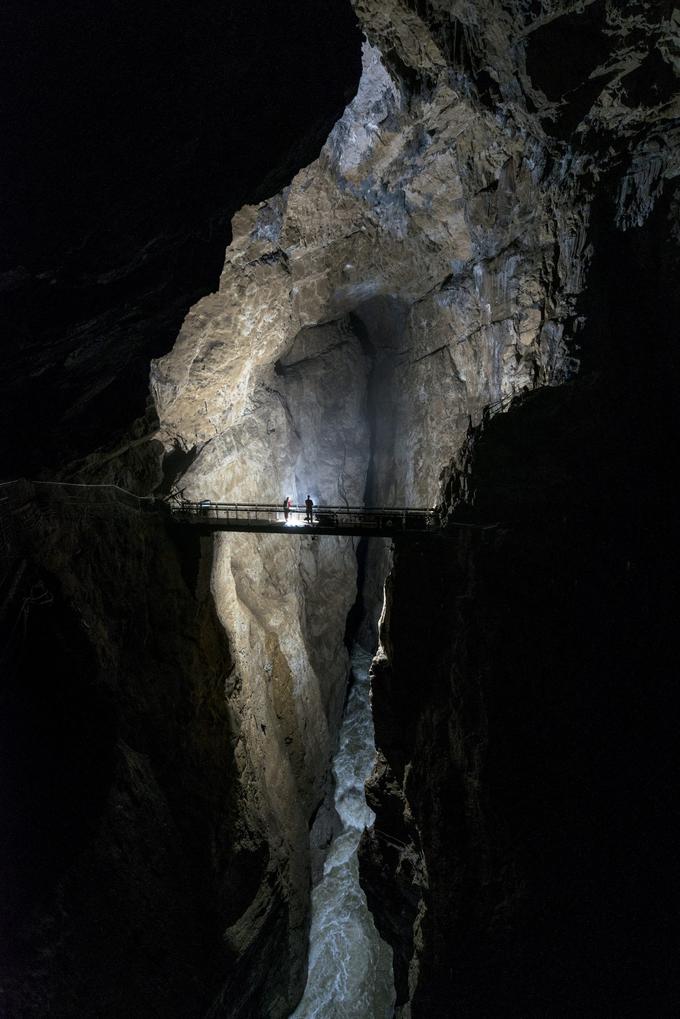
[[382, 522], [21, 500]]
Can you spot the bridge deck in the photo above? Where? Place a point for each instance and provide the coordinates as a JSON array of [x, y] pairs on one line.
[[343, 520]]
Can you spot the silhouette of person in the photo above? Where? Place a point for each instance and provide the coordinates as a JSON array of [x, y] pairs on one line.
[[309, 506], [286, 507]]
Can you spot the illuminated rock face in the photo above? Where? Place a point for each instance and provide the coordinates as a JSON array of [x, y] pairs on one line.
[[406, 280], [436, 259], [409, 278], [427, 266], [421, 231]]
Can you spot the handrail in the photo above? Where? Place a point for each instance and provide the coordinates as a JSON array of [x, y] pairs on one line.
[[369, 521], [300, 507], [377, 520]]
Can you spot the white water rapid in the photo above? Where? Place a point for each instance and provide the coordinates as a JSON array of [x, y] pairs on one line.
[[350, 968]]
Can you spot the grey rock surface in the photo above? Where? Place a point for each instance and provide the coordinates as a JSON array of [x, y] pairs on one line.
[[427, 266], [460, 241]]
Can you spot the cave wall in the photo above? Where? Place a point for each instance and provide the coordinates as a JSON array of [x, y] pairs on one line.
[[463, 237], [365, 315], [430, 264], [130, 140], [520, 862], [128, 846], [432, 228]]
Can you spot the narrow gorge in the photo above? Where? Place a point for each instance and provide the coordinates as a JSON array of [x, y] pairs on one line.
[[386, 253]]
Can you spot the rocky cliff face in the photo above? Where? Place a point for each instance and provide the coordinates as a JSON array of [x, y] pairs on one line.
[[140, 866], [461, 239], [521, 860], [427, 266], [356, 331], [132, 135], [128, 843], [518, 856]]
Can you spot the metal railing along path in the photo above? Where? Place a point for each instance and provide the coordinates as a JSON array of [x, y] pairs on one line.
[[270, 517], [23, 496]]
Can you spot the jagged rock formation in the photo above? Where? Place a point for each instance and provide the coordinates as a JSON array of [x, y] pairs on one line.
[[427, 266], [460, 240], [354, 334], [514, 819], [135, 137]]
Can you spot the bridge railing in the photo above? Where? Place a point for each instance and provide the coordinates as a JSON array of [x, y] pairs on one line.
[[365, 517]]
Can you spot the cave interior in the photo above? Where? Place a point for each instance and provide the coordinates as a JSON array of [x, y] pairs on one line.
[[409, 252]]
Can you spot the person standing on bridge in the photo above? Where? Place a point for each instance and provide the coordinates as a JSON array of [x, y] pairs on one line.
[[309, 506], [286, 507]]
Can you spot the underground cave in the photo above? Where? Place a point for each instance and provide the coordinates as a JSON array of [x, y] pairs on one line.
[[392, 253]]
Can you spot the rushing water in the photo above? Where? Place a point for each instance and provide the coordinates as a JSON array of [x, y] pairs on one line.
[[350, 968]]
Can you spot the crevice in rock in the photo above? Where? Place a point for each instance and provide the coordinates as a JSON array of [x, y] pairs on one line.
[[175, 463], [357, 614]]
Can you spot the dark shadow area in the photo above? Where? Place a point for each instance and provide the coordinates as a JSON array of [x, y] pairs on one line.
[[175, 463], [564, 51], [131, 134], [357, 613], [541, 731], [125, 852], [57, 734], [379, 326]]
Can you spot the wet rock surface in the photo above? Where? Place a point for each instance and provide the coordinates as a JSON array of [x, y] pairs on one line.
[[350, 968]]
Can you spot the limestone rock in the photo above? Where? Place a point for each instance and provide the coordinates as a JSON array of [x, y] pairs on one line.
[[445, 253], [427, 266], [490, 713]]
